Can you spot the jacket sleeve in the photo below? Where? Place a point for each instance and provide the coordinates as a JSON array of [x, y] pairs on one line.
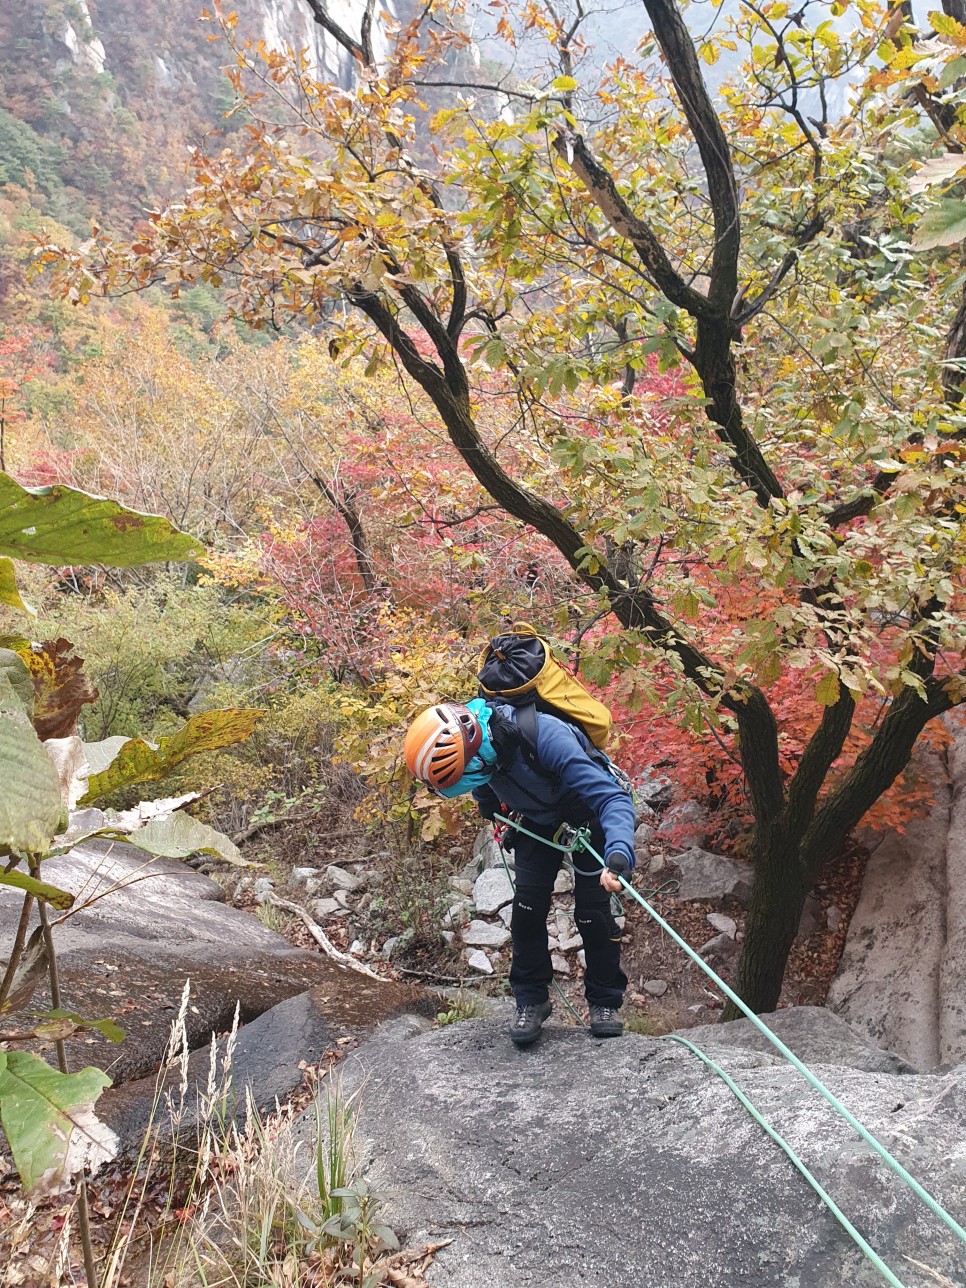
[[560, 750], [487, 800]]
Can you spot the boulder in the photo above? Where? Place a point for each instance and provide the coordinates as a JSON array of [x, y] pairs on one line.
[[302, 876], [711, 878], [810, 919], [720, 948], [653, 790], [814, 1034], [263, 889], [724, 925], [684, 824], [564, 883], [486, 854], [627, 1162], [142, 928], [481, 934], [341, 879], [477, 959], [643, 837], [952, 965], [270, 1056], [323, 908], [492, 890], [457, 914], [889, 979]]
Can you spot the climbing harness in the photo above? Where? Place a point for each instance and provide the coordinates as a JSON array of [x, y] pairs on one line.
[[567, 840]]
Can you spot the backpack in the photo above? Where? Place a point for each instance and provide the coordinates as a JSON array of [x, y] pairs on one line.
[[520, 670]]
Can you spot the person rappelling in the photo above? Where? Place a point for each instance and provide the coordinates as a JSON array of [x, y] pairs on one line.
[[522, 761]]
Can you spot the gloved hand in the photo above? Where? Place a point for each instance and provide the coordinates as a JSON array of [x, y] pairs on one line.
[[618, 864], [505, 836], [617, 867]]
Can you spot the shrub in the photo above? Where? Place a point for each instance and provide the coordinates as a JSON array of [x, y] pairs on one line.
[[151, 650]]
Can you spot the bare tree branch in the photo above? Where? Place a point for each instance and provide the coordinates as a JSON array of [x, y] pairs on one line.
[[320, 12], [753, 307], [682, 62], [601, 186]]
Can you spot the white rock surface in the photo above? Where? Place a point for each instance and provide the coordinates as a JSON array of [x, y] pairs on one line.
[[301, 876], [458, 913], [725, 925], [481, 934], [340, 879], [564, 883], [709, 878], [523, 1158], [325, 908], [492, 891], [902, 977], [476, 959]]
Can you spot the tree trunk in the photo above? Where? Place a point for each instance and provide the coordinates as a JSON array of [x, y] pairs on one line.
[[771, 924]]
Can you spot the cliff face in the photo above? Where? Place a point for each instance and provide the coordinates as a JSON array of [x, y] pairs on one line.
[[100, 99]]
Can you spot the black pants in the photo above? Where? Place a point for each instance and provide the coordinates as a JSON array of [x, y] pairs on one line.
[[531, 971]]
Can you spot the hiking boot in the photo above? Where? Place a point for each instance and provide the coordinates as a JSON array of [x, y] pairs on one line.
[[526, 1027], [605, 1022]]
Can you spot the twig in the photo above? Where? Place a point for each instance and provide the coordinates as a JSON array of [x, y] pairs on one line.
[[464, 981], [320, 937], [16, 953], [83, 1213], [935, 1274], [253, 829]]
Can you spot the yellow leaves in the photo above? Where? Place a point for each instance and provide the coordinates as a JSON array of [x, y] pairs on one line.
[[946, 26], [709, 52], [827, 689]]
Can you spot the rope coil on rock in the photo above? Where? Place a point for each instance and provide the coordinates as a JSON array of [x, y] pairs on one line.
[[579, 839]]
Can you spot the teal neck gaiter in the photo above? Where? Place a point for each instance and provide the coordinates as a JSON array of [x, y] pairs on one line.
[[480, 769]]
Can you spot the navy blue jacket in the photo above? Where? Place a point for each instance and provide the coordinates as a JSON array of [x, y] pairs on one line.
[[575, 789]]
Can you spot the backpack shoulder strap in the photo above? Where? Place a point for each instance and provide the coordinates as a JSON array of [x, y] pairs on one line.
[[526, 721], [527, 725]]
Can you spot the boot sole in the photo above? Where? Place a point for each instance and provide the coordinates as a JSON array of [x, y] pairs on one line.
[[525, 1040], [607, 1030]]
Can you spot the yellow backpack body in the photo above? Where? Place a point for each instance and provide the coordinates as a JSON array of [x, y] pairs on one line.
[[520, 669]]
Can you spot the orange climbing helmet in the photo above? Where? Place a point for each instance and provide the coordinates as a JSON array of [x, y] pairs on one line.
[[440, 744]]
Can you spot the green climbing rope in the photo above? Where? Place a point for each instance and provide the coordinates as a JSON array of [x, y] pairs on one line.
[[578, 839], [780, 1140]]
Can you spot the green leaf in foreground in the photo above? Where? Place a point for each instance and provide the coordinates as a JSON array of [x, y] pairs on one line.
[[61, 525], [138, 761], [49, 1121], [16, 684], [945, 225], [51, 894], [113, 1032], [30, 805], [9, 591], [179, 835]]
